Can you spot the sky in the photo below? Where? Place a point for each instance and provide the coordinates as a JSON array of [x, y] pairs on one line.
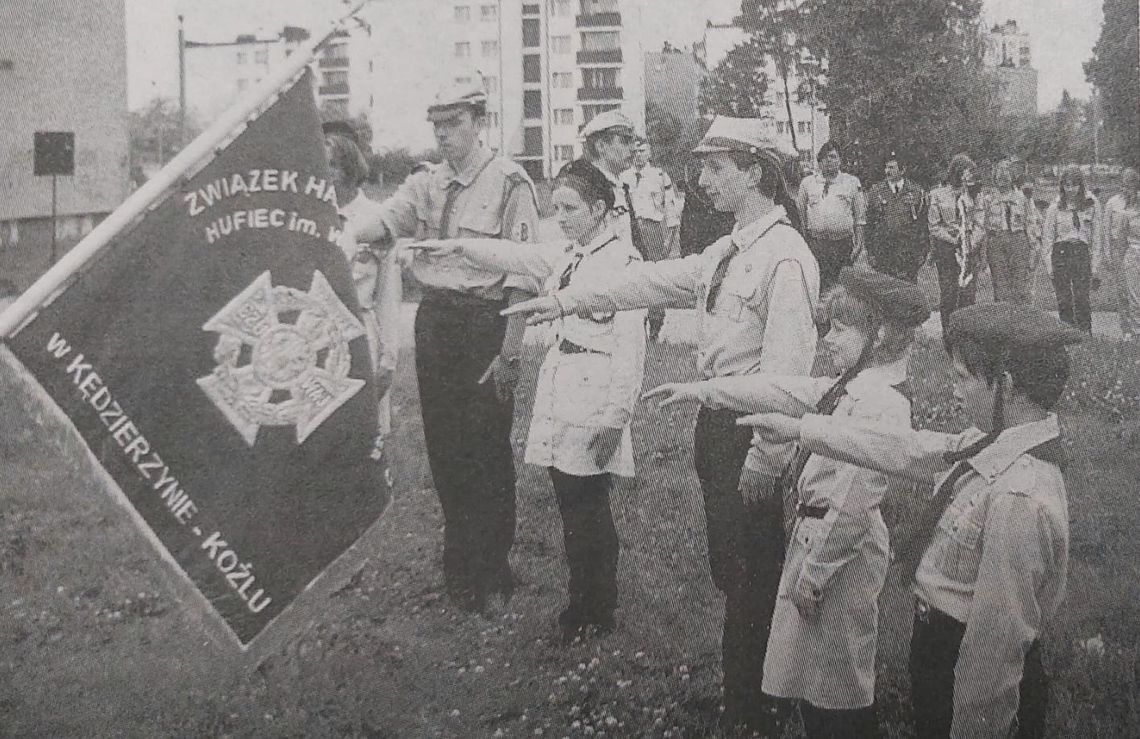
[[1062, 33]]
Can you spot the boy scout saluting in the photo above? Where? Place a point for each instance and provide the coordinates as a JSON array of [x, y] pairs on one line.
[[989, 556], [755, 290], [462, 341]]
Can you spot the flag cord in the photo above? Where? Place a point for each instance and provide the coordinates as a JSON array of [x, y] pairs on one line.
[[50, 283]]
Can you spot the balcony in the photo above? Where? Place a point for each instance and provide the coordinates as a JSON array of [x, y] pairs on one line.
[[600, 93], [595, 20], [333, 62], [339, 88], [608, 56]]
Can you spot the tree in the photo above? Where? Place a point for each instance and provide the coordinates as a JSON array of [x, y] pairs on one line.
[[154, 135], [1114, 70], [903, 76], [737, 86]]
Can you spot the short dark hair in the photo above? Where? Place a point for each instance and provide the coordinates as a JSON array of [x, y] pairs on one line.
[[588, 181], [826, 149], [958, 166], [346, 155], [1040, 375]]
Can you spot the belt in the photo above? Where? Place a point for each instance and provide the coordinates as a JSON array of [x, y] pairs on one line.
[[569, 347], [803, 510], [928, 614]]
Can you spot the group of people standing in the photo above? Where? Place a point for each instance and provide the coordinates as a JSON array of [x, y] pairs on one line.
[[796, 542]]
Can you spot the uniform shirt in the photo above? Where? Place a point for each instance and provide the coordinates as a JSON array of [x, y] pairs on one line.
[[648, 187], [1010, 212], [495, 200], [949, 211], [1123, 222], [831, 209], [579, 392], [895, 209], [841, 558], [998, 559], [761, 320], [1088, 229]]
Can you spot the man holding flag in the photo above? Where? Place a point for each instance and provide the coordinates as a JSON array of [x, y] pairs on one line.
[[467, 355]]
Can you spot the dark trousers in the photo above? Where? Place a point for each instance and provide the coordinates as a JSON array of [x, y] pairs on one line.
[[934, 647], [832, 255], [897, 256], [468, 434], [951, 296], [1072, 275], [591, 546], [1009, 255], [746, 552], [824, 723]]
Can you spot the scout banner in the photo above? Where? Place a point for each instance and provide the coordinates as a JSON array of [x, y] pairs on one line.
[[211, 358]]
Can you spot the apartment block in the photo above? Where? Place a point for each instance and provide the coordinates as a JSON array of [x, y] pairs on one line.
[[1009, 55]]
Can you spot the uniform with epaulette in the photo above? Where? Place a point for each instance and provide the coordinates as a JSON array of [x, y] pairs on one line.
[[989, 556], [896, 234], [458, 333]]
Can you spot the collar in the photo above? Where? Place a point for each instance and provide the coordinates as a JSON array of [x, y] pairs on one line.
[[350, 209], [744, 238], [599, 242], [446, 174], [1011, 444], [884, 375]]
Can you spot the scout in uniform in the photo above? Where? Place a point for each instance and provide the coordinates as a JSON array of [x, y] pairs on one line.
[[989, 556], [650, 190], [607, 142], [756, 292], [956, 233], [1123, 215], [1013, 228], [825, 628], [834, 212], [379, 287], [466, 353], [896, 220], [1072, 247], [587, 386]]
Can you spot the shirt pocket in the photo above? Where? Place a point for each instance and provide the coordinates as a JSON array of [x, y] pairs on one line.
[[962, 546], [581, 386], [479, 220]]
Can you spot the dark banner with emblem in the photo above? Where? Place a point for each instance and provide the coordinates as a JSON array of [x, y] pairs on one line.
[[213, 362]]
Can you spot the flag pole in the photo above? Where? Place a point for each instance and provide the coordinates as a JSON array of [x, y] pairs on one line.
[[43, 289]]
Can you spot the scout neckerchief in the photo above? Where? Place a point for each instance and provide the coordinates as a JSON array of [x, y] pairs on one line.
[[576, 261]]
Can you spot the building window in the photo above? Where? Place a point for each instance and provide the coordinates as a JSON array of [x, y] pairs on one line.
[[601, 41], [491, 83], [531, 32], [261, 56], [462, 13], [590, 7], [564, 116], [529, 9], [462, 50], [560, 8], [532, 104], [600, 78], [493, 119], [563, 153], [488, 12], [337, 108], [532, 68], [779, 127], [338, 78], [564, 80], [490, 48], [560, 44], [780, 98], [804, 127], [242, 57], [589, 111], [532, 141]]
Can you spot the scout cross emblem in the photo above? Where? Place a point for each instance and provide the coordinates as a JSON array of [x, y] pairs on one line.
[[283, 357]]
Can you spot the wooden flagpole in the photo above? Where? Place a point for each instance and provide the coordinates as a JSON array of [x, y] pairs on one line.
[[45, 288]]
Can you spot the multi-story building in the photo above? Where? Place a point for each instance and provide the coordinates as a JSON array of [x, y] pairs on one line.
[[218, 73], [1009, 55], [809, 120], [548, 67], [55, 79]]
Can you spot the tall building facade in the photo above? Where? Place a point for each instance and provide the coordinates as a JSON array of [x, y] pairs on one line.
[[54, 79], [809, 120], [1009, 55]]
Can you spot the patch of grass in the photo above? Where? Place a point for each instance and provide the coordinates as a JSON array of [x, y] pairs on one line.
[[89, 621]]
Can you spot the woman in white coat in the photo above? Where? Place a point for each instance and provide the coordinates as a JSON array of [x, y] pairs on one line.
[[587, 386], [821, 649]]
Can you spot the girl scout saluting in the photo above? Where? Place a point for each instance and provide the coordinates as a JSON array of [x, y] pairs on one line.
[[989, 556], [822, 645], [587, 385]]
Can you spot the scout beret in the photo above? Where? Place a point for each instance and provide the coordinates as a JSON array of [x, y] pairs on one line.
[[611, 120], [740, 134], [898, 300], [341, 128], [1010, 327], [457, 97]]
